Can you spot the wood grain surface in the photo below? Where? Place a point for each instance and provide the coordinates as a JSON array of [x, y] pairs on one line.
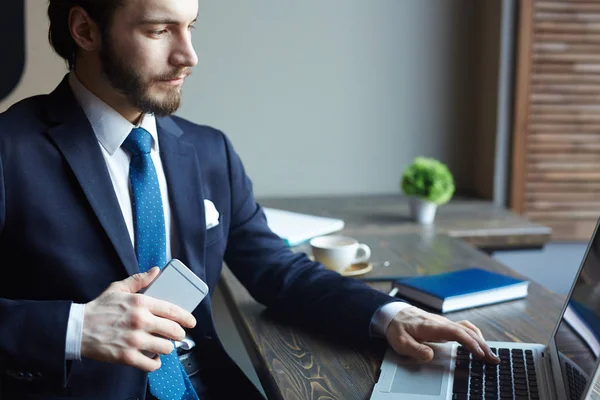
[[293, 363], [478, 222]]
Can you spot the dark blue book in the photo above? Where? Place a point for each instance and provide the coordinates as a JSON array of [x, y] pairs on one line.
[[462, 289]]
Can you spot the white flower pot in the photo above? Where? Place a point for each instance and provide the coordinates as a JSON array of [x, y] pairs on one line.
[[422, 211]]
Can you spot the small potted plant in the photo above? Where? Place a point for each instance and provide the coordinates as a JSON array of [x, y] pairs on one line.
[[428, 183]]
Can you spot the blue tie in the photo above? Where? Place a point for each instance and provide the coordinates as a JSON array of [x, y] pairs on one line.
[[170, 382]]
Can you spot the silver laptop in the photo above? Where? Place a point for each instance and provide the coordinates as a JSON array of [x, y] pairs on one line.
[[564, 369]]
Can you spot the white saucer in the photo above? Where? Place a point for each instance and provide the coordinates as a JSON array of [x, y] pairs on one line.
[[354, 269]]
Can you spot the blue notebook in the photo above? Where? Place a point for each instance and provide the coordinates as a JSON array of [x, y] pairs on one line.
[[462, 289]]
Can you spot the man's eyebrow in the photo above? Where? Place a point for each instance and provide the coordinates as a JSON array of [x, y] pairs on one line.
[[157, 21], [161, 21]]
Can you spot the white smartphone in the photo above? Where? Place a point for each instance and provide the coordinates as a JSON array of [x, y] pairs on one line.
[[177, 284]]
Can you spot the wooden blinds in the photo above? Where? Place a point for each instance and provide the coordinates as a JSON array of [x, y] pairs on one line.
[[556, 138]]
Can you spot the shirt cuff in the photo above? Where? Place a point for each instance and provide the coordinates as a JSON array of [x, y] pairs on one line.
[[384, 316], [74, 332]]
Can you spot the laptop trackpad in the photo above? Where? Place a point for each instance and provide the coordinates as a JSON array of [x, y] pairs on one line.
[[418, 379]]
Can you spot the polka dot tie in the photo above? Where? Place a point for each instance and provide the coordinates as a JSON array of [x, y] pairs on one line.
[[170, 382]]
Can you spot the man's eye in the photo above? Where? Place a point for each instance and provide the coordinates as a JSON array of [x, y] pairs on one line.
[[158, 32], [191, 27]]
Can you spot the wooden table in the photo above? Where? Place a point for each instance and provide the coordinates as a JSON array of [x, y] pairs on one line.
[[296, 364], [478, 222]]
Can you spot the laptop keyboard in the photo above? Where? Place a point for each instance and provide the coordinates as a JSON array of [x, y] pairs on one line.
[[577, 382], [514, 378]]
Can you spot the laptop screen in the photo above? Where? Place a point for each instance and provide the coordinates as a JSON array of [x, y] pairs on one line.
[[578, 335]]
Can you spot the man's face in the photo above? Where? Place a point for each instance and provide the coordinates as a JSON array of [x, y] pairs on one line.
[[148, 52]]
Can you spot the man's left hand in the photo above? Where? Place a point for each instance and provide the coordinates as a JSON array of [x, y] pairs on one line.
[[412, 327]]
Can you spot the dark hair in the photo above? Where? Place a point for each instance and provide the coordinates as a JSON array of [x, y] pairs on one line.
[[59, 35]]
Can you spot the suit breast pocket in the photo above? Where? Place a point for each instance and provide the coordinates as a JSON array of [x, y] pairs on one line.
[[213, 235]]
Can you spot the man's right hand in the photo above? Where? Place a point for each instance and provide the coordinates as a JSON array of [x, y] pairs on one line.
[[120, 323], [412, 328]]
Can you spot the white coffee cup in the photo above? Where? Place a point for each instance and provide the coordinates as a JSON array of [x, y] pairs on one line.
[[339, 252]]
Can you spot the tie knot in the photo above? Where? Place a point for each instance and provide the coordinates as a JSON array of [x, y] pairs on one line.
[[138, 142]]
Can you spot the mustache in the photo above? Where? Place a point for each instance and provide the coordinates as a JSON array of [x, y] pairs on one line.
[[174, 75]]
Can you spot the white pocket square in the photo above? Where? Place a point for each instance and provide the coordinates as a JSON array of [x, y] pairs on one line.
[[211, 214]]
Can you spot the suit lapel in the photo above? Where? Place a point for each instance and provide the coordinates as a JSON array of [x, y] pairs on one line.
[[184, 181], [75, 139]]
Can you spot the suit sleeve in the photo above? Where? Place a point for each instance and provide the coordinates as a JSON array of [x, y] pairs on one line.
[[32, 333], [290, 284]]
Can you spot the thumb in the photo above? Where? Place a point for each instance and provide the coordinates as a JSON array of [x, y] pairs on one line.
[[408, 346], [137, 282]]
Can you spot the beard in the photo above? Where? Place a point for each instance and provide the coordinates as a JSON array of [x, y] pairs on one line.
[[123, 76]]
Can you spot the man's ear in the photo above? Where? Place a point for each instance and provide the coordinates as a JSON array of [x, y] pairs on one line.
[[84, 30]]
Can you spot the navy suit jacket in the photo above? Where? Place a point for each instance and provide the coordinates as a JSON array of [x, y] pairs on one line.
[[63, 239]]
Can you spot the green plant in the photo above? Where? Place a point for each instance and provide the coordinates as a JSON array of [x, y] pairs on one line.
[[429, 179]]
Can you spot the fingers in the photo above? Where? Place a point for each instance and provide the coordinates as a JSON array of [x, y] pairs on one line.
[[170, 311], [449, 331], [166, 328], [472, 327], [469, 338], [146, 317], [475, 332], [488, 356], [476, 344], [157, 345], [136, 359], [121, 324], [408, 346], [146, 341], [412, 326], [137, 282]]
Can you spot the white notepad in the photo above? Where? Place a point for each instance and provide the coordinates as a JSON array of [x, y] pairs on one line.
[[296, 228]]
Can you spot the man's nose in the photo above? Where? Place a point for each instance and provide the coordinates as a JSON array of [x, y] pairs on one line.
[[185, 55]]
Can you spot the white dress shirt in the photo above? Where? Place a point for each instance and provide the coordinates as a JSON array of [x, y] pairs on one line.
[[111, 130]]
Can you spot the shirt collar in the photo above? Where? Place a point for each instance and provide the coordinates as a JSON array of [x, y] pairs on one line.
[[110, 127]]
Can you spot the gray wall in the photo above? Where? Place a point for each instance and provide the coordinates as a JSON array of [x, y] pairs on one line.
[[322, 96], [336, 96]]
